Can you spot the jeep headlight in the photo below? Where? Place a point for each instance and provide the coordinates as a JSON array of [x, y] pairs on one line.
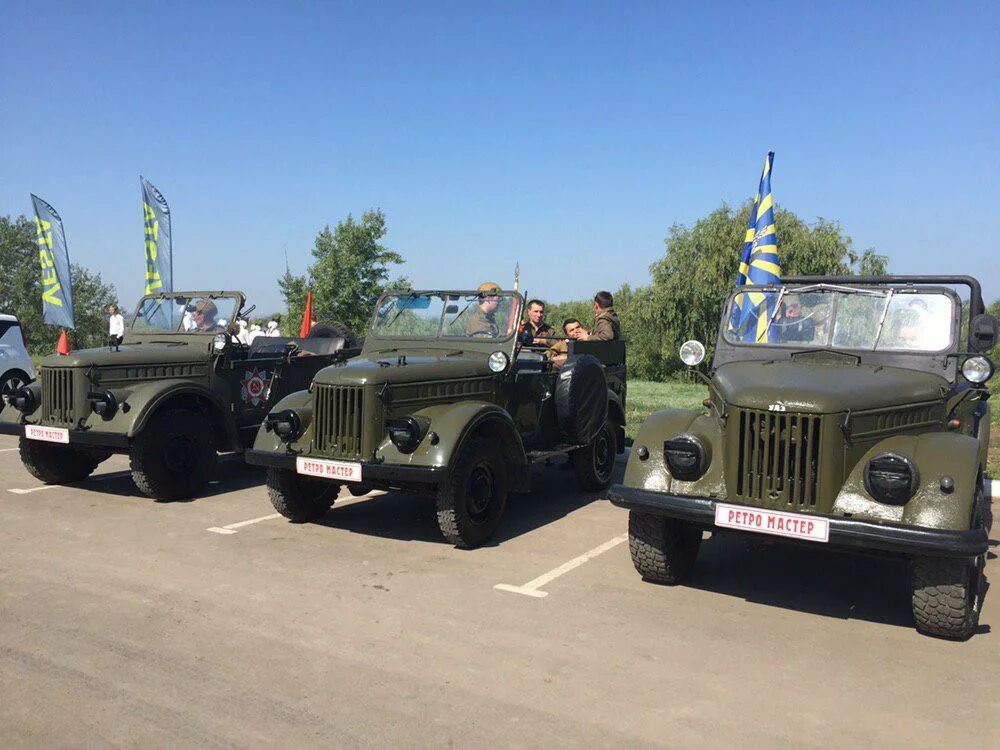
[[687, 457], [498, 361], [26, 398], [404, 434], [692, 352], [286, 424], [103, 404], [891, 478], [977, 369]]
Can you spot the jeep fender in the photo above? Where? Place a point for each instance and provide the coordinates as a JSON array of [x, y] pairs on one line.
[[935, 455], [147, 400], [454, 424], [653, 474], [301, 402]]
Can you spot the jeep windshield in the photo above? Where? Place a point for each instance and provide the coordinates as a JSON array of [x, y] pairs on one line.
[[447, 315], [184, 314], [890, 320]]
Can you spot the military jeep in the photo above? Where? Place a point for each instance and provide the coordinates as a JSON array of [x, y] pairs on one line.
[[843, 412], [179, 388], [446, 399]]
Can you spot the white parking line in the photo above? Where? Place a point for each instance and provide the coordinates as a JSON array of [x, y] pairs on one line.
[[531, 588], [231, 528], [98, 478], [7, 450]]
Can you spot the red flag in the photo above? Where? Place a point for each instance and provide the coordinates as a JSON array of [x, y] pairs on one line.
[[307, 316], [63, 346]]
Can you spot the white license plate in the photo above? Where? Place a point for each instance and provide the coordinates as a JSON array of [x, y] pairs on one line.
[[342, 471], [48, 434], [793, 525]]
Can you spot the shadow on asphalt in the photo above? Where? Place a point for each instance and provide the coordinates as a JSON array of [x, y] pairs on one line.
[[406, 517], [233, 474]]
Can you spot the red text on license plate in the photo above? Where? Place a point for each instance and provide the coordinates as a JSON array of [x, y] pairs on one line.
[[342, 471], [773, 522], [48, 434]]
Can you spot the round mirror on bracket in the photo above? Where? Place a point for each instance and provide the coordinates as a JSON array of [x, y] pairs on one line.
[[692, 353]]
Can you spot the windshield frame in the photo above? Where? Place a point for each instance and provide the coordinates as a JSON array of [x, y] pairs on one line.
[[440, 339], [237, 296], [942, 363]]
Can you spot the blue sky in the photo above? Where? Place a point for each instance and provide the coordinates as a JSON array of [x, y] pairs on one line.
[[566, 136]]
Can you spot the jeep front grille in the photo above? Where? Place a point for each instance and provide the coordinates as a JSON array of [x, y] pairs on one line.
[[778, 457], [57, 395], [339, 418]]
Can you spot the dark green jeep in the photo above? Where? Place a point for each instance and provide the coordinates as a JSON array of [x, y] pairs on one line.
[[847, 413], [446, 399], [179, 388]]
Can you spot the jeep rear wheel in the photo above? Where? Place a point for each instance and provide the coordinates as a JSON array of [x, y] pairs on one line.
[[300, 499], [947, 592], [57, 464], [595, 463], [663, 549], [174, 455], [471, 502]]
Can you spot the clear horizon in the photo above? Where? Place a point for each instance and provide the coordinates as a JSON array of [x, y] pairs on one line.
[[568, 137]]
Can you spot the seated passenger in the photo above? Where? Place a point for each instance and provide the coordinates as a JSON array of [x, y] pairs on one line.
[[792, 327], [482, 321], [606, 324], [575, 330], [203, 317], [535, 324]]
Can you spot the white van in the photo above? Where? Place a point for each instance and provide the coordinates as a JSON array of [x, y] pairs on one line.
[[15, 364]]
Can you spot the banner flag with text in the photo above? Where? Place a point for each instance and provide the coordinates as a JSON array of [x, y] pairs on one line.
[[159, 254], [53, 257]]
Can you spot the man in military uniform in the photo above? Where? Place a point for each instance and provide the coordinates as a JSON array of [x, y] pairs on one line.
[[482, 321], [535, 324], [204, 317], [606, 326]]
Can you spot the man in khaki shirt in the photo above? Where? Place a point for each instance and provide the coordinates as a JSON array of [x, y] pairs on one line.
[[606, 325], [482, 321]]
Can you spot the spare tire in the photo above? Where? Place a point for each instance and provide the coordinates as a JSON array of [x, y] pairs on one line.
[[581, 398], [333, 331]]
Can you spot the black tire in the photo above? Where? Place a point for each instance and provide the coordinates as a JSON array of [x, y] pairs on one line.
[[663, 549], [581, 398], [595, 464], [300, 499], [333, 330], [946, 593], [10, 382], [53, 463], [471, 502], [174, 456]]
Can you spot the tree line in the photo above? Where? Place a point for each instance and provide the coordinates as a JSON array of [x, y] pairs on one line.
[[351, 267]]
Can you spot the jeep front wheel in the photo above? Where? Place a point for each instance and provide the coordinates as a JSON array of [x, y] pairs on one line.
[[57, 464], [947, 592], [595, 463], [174, 455], [300, 499], [472, 500], [663, 549]]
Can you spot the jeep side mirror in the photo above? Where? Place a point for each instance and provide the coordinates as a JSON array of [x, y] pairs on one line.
[[984, 330]]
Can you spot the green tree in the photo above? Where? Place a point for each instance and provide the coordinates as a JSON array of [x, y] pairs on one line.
[[994, 354], [350, 270], [21, 291]]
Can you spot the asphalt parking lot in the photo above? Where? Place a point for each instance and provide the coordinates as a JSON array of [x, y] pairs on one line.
[[130, 622]]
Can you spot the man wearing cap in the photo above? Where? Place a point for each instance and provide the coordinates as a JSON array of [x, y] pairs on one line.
[[482, 321], [204, 317]]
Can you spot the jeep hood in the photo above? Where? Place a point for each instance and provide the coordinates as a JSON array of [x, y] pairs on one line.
[[824, 388], [399, 368], [146, 353]]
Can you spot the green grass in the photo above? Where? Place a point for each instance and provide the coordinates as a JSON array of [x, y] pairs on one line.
[[645, 397]]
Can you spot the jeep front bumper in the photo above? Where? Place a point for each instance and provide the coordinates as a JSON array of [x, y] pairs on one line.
[[93, 438], [371, 473], [846, 533]]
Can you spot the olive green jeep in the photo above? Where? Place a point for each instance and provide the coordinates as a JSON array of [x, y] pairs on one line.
[[178, 388], [446, 399], [843, 412]]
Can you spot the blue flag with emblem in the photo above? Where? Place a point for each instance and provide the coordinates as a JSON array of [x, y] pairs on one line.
[[759, 265], [53, 257], [159, 252]]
